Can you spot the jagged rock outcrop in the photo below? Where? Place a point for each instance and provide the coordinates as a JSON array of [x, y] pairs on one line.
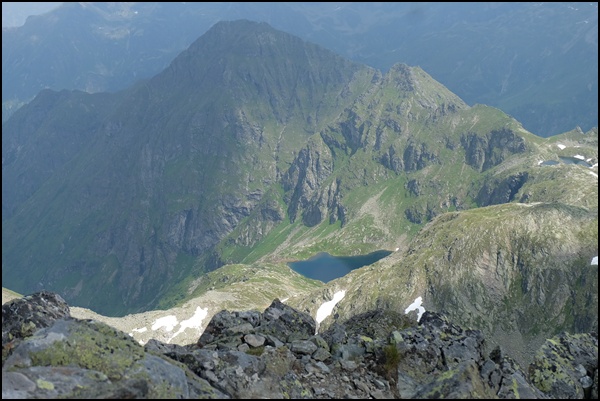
[[414, 157], [392, 160], [260, 222], [417, 157], [484, 152], [421, 214], [279, 354], [24, 316], [567, 366], [495, 192], [62, 357], [303, 183]]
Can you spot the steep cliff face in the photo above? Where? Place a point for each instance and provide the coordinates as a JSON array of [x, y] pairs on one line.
[[304, 180], [484, 152], [406, 151], [497, 191], [54, 130]]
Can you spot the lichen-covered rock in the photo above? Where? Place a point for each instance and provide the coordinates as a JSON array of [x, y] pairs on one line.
[[277, 324], [463, 381], [276, 354], [566, 365], [22, 317], [508, 380], [228, 324], [68, 382], [88, 359], [438, 359]]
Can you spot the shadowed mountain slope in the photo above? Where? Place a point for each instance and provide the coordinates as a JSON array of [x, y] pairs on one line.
[[132, 186]]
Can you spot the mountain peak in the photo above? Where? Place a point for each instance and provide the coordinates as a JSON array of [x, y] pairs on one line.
[[235, 33], [243, 60]]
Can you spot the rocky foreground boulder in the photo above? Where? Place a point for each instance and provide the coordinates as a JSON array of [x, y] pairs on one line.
[[279, 354]]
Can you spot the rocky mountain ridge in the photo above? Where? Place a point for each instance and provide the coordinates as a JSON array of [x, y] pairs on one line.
[[279, 354], [548, 81]]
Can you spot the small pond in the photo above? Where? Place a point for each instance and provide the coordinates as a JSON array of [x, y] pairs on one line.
[[550, 163], [566, 160], [574, 160], [325, 267]]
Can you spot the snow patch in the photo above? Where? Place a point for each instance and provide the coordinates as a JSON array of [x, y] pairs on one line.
[[195, 322], [327, 307], [416, 305], [594, 261], [561, 146], [168, 322], [580, 157], [143, 329]]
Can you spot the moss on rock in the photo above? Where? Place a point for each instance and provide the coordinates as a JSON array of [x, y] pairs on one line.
[[91, 345]]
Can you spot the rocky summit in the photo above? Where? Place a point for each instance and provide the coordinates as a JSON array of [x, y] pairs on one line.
[[279, 353]]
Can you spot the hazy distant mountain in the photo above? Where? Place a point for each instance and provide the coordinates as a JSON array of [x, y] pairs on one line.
[[15, 13], [254, 147], [536, 61]]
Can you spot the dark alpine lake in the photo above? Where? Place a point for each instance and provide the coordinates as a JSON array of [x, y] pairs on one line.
[[567, 160], [325, 267], [574, 160]]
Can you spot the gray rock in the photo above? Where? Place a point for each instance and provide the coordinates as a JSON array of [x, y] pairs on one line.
[[321, 355], [284, 322], [463, 381], [560, 363], [226, 324], [348, 365], [243, 347], [254, 340], [88, 359], [22, 317], [303, 347], [434, 359], [273, 341]]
